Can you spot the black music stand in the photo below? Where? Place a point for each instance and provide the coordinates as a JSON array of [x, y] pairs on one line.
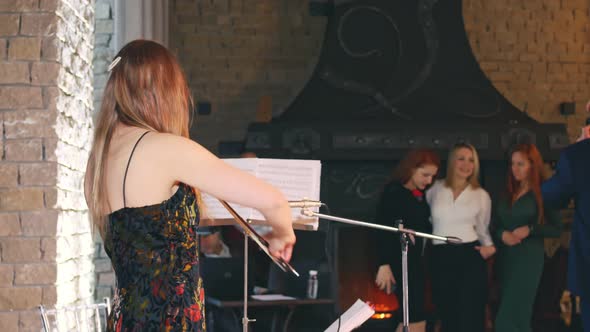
[[249, 232]]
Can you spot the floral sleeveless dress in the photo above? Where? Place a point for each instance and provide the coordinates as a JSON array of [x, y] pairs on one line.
[[154, 252]]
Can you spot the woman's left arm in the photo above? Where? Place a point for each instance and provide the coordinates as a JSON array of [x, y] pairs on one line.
[[482, 223], [482, 220]]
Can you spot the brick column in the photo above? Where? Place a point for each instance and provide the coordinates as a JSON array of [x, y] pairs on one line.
[[45, 103]]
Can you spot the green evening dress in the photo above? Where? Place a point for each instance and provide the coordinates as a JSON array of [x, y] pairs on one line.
[[521, 266]]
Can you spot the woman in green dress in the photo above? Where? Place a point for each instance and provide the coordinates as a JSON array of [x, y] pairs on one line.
[[521, 223]]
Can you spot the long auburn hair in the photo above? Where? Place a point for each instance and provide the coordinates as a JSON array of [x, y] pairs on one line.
[[413, 160], [536, 176], [146, 89], [473, 180]]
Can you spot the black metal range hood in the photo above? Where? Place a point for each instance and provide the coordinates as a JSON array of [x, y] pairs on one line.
[[394, 75]]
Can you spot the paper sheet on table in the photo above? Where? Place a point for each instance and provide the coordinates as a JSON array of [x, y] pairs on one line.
[[272, 297]]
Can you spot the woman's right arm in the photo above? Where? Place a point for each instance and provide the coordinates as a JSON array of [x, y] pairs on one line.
[[386, 243], [498, 229], [501, 234], [190, 163], [387, 213]]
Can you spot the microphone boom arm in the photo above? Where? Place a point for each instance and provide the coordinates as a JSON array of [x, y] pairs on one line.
[[404, 248], [448, 239]]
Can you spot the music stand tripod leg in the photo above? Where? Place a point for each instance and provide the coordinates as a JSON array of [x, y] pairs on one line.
[[245, 319]]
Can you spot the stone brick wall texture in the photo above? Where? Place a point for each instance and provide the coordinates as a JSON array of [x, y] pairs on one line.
[[235, 52], [45, 104], [104, 51], [536, 53], [104, 48]]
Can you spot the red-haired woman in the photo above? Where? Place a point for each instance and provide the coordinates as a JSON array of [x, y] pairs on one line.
[[142, 186], [522, 223], [403, 198]]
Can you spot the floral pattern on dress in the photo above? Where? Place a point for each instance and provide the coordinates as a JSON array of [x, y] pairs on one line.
[[154, 253]]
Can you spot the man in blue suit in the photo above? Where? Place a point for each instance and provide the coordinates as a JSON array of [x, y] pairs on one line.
[[572, 180]]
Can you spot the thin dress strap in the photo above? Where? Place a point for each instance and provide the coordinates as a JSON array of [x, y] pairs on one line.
[[127, 168]]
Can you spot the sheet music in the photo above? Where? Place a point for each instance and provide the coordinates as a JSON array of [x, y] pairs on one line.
[[214, 209], [296, 179], [354, 317]]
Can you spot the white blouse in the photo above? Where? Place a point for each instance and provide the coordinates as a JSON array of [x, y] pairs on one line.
[[466, 217]]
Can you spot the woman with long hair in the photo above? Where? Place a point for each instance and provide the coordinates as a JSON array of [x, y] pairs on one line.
[[461, 208], [522, 221], [403, 199], [143, 183]]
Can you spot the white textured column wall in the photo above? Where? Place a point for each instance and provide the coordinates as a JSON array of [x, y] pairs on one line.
[[104, 51], [73, 104], [45, 110], [104, 46]]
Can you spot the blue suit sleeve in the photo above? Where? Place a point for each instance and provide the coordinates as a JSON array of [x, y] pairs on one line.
[[559, 189]]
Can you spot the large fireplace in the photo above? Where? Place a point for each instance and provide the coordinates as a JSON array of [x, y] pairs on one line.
[[392, 75]]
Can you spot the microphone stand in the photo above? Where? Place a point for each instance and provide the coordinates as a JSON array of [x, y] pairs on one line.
[[250, 233], [404, 235]]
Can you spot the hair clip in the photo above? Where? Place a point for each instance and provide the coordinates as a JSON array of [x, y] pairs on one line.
[[114, 63]]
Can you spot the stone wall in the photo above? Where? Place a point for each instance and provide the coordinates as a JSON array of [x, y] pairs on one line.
[[536, 53], [45, 93], [104, 46], [104, 51], [73, 127], [235, 52]]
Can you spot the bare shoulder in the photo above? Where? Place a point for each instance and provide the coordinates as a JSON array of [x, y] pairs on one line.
[[147, 153], [150, 167], [175, 154], [172, 147], [171, 141]]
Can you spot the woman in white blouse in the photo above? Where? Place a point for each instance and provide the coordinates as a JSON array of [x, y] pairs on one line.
[[461, 208]]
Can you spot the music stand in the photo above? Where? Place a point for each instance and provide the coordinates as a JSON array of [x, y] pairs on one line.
[[249, 232]]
